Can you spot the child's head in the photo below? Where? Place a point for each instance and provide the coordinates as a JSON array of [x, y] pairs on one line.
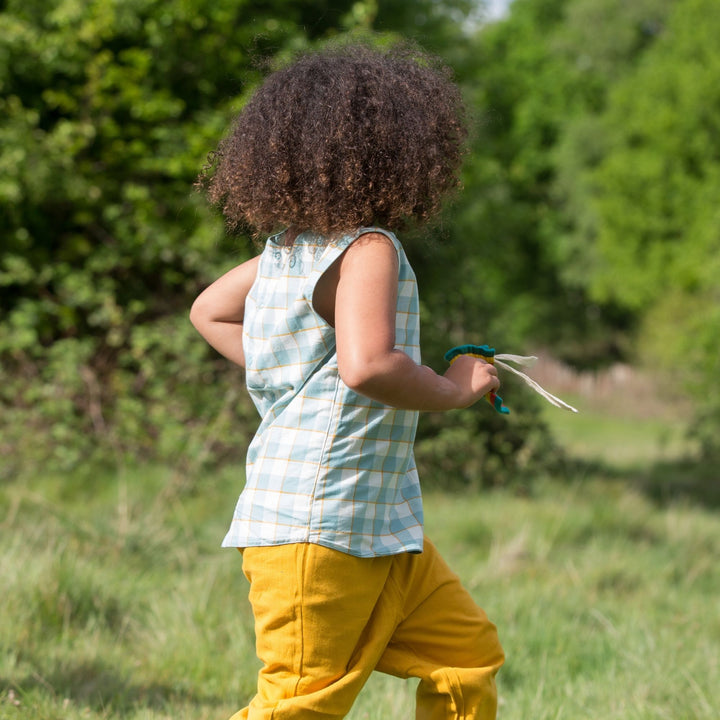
[[343, 138]]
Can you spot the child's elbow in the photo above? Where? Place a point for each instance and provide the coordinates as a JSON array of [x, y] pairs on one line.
[[198, 313], [354, 378], [361, 377]]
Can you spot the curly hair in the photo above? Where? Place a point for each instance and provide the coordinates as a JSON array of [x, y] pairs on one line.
[[342, 138]]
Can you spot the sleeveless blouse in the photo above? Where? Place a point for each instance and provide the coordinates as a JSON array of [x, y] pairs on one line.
[[326, 465]]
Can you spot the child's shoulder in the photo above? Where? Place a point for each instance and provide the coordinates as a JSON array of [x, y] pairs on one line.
[[307, 239]]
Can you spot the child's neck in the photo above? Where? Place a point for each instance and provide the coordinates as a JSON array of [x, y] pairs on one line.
[[289, 235]]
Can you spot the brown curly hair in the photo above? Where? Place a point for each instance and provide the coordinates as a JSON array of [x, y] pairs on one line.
[[342, 138]]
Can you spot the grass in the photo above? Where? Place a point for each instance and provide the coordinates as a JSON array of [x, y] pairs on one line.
[[118, 603], [627, 440]]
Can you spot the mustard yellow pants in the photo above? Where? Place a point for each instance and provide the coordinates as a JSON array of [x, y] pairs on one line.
[[324, 620]]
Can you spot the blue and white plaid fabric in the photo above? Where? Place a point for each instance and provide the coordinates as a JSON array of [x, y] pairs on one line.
[[327, 465]]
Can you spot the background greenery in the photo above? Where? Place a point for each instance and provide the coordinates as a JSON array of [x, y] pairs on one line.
[[588, 229], [588, 225], [118, 604]]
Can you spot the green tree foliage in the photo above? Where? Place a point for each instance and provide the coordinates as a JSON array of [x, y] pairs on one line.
[[107, 111], [589, 209], [595, 176], [658, 188], [657, 199], [602, 43], [537, 84]]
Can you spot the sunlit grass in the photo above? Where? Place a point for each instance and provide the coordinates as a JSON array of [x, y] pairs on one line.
[[118, 603], [628, 441]]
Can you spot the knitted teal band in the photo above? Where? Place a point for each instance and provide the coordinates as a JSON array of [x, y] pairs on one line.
[[486, 353]]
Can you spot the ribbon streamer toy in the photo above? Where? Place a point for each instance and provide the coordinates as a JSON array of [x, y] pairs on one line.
[[501, 360]]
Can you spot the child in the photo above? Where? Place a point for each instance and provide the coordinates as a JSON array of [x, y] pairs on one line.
[[336, 148]]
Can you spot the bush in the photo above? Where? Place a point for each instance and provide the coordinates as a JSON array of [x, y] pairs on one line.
[[107, 111]]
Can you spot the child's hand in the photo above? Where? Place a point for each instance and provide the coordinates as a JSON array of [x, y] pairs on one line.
[[473, 377]]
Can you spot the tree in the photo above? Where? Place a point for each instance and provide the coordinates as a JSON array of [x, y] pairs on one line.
[[107, 111], [108, 108], [538, 84], [657, 199]]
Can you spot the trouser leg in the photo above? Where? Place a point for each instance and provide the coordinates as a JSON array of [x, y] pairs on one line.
[[322, 620], [446, 640], [325, 620]]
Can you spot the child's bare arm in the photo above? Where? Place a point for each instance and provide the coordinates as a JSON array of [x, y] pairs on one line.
[[218, 311], [368, 361]]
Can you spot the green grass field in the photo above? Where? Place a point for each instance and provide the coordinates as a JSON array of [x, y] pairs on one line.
[[118, 603]]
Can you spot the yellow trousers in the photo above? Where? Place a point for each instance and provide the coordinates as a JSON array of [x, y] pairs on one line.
[[324, 620]]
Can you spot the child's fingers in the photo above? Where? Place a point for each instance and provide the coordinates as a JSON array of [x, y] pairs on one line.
[[474, 378]]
